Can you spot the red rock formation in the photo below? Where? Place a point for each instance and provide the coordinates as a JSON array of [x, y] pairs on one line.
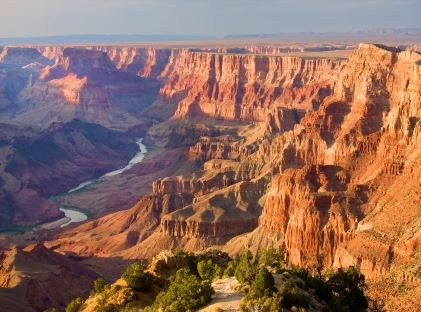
[[282, 119], [195, 187], [276, 50], [224, 147], [244, 86], [219, 215], [144, 62], [51, 52], [121, 230], [20, 57], [314, 210], [85, 84], [36, 278], [369, 127]]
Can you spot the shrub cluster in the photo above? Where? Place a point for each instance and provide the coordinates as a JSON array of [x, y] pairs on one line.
[[99, 286], [189, 288], [187, 292], [341, 290], [136, 277], [208, 270], [74, 305]]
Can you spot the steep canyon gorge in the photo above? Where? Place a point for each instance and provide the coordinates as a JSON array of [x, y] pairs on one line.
[[247, 149]]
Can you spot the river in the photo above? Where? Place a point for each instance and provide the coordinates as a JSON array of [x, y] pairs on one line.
[[77, 216]]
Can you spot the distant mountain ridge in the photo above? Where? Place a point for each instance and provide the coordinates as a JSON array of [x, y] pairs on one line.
[[125, 38], [92, 39], [323, 35]]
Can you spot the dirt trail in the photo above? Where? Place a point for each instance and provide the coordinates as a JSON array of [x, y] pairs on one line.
[[226, 297]]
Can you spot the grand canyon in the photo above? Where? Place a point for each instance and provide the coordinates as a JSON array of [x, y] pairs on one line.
[[114, 154]]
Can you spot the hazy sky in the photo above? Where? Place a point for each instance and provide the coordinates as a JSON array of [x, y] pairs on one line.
[[201, 17]]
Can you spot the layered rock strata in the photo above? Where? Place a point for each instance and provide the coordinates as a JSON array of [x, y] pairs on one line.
[[368, 129], [246, 87]]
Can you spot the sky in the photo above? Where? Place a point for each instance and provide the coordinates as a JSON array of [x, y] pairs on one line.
[[27, 18]]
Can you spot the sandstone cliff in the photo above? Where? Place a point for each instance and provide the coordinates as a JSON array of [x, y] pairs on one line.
[[244, 87], [144, 62], [16, 56], [82, 83], [364, 142]]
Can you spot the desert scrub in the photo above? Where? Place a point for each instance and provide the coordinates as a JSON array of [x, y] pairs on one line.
[[99, 286], [137, 278], [186, 292], [74, 305]]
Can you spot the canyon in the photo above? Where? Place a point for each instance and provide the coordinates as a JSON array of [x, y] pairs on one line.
[[247, 149]]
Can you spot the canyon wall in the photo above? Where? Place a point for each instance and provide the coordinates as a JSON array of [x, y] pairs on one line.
[[244, 87], [109, 85], [144, 62], [369, 130], [61, 84]]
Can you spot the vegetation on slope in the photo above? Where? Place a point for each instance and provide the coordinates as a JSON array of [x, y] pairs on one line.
[[181, 282], [298, 289]]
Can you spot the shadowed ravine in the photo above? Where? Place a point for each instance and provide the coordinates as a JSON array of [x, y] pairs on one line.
[[75, 216]]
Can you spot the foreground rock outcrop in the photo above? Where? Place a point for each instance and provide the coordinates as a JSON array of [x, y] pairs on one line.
[[36, 278]]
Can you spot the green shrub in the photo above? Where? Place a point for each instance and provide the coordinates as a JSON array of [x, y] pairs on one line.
[[185, 293], [348, 285], [300, 272], [271, 258], [179, 251], [219, 271], [102, 304], [230, 269], [99, 286], [263, 284], [74, 305], [292, 296], [206, 269], [321, 288], [136, 277], [262, 304], [114, 298], [245, 271]]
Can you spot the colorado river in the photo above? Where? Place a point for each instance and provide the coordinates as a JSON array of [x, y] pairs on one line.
[[77, 216]]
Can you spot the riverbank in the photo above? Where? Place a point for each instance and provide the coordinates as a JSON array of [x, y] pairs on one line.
[[74, 214]]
